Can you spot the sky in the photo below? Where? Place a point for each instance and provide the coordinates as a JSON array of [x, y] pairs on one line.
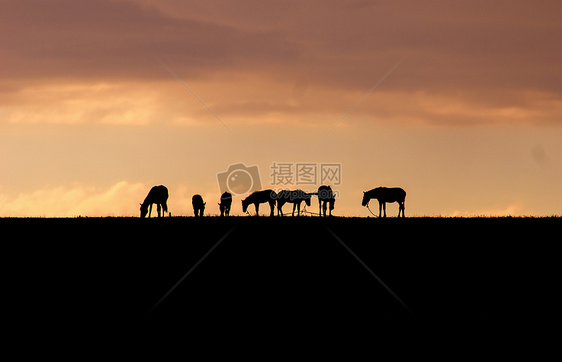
[[457, 102]]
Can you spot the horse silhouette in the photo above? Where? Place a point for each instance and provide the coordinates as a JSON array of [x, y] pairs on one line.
[[384, 195], [226, 201], [296, 197], [198, 205], [259, 197], [157, 195], [325, 197]]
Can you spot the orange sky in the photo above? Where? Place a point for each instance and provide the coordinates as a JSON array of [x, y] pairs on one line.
[[468, 123]]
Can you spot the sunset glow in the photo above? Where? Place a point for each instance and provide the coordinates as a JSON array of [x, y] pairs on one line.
[[101, 100]]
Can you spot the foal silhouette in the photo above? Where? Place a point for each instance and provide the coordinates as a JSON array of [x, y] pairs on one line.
[[259, 197], [226, 202], [198, 205], [157, 195], [384, 195], [296, 197], [325, 196]]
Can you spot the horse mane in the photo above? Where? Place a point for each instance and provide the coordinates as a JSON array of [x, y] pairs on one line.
[[157, 194]]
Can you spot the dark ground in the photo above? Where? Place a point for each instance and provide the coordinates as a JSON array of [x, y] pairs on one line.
[[272, 274]]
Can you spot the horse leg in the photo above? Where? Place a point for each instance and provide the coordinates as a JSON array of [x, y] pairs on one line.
[[324, 207], [380, 208], [272, 207], [149, 210], [158, 209], [384, 208], [257, 209]]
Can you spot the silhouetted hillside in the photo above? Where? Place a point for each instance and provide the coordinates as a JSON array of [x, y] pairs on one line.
[[272, 272]]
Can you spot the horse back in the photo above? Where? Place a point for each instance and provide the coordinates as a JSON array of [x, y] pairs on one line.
[[157, 195], [226, 199], [265, 196], [197, 200], [325, 193], [291, 195], [396, 194]]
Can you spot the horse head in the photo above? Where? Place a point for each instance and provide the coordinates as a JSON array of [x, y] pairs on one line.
[[245, 205], [366, 199], [143, 210]]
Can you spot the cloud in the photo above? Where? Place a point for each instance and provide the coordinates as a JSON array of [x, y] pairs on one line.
[[121, 199], [476, 44], [75, 103], [515, 209], [464, 63], [120, 40]]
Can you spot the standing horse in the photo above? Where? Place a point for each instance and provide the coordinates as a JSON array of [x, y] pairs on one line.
[[198, 205], [384, 195], [259, 197], [325, 196], [226, 201], [296, 197], [157, 195]]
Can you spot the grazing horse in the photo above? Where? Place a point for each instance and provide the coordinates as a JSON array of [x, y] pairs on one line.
[[296, 197], [198, 205], [157, 195], [226, 201], [259, 197], [325, 197], [384, 195]]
